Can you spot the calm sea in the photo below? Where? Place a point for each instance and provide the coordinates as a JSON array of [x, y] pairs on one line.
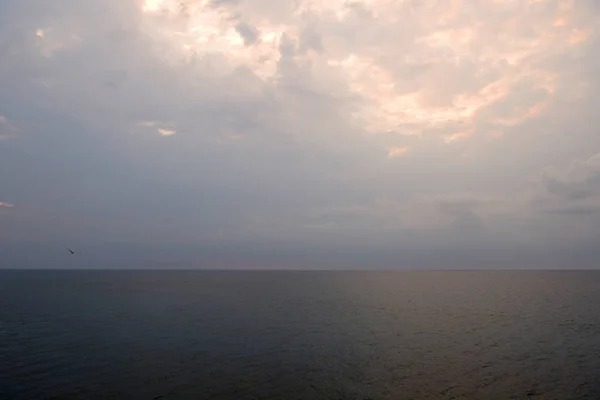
[[299, 335]]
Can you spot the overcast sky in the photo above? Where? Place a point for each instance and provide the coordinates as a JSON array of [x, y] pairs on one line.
[[300, 133]]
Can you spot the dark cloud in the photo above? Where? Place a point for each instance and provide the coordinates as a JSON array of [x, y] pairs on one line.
[[248, 32], [572, 190], [310, 39], [224, 2]]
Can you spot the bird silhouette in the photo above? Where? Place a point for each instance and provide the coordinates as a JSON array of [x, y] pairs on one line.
[[71, 251]]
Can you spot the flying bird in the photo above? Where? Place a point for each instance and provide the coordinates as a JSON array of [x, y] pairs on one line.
[[71, 251]]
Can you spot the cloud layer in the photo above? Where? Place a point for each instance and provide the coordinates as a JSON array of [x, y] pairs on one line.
[[413, 133]]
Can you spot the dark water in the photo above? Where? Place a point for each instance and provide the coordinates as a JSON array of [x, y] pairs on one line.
[[299, 335]]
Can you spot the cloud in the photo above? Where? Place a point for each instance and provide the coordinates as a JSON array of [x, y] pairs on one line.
[[52, 40], [401, 126], [147, 124], [249, 34], [574, 189], [397, 151], [446, 71], [8, 205], [8, 129], [160, 127], [166, 132]]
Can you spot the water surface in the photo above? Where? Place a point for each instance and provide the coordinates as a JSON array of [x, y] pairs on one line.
[[299, 335]]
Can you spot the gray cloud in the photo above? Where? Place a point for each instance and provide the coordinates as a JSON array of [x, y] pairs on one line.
[[249, 33], [376, 133], [574, 189]]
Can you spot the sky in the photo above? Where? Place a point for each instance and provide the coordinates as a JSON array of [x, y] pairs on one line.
[[299, 134]]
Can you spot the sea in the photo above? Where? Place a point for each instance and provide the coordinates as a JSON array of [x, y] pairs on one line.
[[237, 335]]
